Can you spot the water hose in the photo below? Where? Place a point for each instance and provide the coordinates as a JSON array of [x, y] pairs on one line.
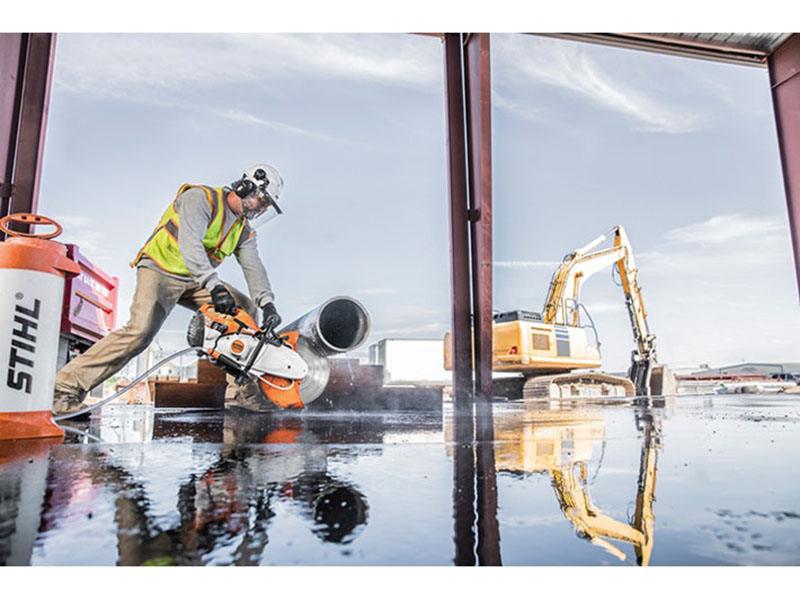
[[127, 388], [79, 432]]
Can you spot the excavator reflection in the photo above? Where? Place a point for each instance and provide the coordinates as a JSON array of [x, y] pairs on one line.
[[560, 443]]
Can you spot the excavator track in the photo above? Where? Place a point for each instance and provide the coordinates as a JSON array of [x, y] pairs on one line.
[[576, 385]]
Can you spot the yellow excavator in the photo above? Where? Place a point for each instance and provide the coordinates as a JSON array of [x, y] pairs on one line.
[[560, 443], [547, 347]]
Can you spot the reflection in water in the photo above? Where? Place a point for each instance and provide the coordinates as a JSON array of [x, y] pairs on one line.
[[23, 470], [225, 509], [560, 443], [474, 485], [556, 440], [208, 489], [488, 526], [463, 427]]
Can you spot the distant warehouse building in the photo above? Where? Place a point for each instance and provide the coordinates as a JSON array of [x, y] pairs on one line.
[[777, 370]]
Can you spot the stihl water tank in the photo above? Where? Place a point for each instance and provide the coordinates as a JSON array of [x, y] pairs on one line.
[[32, 273]]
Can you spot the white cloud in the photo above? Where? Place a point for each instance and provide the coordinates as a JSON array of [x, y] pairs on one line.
[[149, 68], [375, 291], [723, 248], [526, 264], [208, 72], [568, 66], [248, 118], [518, 109], [606, 307], [86, 233], [727, 227], [380, 57]]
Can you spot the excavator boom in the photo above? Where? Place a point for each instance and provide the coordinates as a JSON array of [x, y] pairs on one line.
[[562, 304]]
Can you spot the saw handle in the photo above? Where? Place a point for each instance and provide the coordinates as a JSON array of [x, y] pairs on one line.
[[262, 339], [268, 330], [270, 322]]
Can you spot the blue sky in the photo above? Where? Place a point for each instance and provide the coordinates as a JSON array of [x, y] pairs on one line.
[[683, 153]]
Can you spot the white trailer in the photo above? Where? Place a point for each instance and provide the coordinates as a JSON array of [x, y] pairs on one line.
[[411, 361]]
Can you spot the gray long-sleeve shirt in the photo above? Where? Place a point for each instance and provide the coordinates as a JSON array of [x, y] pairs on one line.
[[194, 213]]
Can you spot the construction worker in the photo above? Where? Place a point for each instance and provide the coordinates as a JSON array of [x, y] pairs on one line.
[[200, 228]]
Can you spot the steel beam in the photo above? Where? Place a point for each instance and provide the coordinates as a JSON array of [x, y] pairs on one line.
[[784, 75], [11, 47], [479, 153], [660, 44], [468, 83], [33, 121], [461, 329], [478, 113], [24, 102]]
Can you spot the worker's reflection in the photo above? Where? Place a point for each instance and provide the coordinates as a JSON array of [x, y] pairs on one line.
[[298, 473], [561, 443], [225, 510], [262, 463]]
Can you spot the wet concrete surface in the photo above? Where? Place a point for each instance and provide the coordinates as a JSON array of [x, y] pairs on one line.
[[687, 481]]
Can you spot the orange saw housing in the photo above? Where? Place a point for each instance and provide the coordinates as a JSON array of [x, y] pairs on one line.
[[284, 393]]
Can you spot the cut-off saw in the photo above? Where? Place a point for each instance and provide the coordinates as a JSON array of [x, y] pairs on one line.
[[235, 343]]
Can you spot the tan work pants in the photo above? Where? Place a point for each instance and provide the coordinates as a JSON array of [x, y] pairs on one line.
[[155, 296]]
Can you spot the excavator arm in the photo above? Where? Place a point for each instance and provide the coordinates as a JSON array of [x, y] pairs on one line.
[[591, 523], [562, 305]]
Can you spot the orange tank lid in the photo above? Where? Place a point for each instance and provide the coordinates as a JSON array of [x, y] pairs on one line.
[[30, 251]]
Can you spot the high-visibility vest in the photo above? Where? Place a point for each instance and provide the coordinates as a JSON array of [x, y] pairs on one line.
[[162, 246]]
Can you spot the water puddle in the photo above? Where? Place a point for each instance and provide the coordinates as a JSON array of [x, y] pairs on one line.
[[688, 481]]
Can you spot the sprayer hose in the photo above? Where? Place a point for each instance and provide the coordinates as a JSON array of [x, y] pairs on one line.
[[127, 388]]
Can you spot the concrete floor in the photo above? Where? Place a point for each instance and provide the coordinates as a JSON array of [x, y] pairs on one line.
[[689, 481]]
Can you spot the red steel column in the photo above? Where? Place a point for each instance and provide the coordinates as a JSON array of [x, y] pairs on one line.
[[25, 97], [479, 139], [478, 85], [784, 75], [461, 337], [33, 121], [11, 45]]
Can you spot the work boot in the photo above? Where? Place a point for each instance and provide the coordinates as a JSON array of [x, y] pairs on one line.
[[248, 397], [66, 402]]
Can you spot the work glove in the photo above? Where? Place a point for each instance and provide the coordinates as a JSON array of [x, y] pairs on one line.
[[270, 317], [223, 300]]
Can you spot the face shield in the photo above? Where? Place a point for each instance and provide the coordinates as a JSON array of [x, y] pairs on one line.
[[259, 208]]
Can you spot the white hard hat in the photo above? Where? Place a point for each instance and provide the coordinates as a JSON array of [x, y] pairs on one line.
[[266, 183]]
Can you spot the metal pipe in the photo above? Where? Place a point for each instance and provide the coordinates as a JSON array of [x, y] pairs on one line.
[[338, 325]]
